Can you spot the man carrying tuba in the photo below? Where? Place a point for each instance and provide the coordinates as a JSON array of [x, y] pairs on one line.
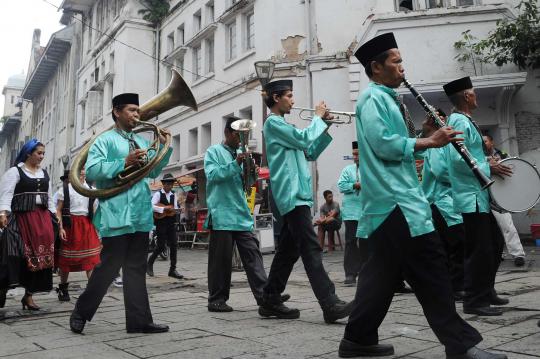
[[123, 221]]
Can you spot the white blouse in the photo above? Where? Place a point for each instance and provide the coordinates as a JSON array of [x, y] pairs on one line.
[[78, 204], [10, 179]]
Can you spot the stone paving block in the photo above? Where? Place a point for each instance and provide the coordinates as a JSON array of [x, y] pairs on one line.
[[133, 341], [17, 346], [87, 351]]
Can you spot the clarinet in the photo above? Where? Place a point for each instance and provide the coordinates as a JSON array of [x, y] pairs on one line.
[[484, 180]]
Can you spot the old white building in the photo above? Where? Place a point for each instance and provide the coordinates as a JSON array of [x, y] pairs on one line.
[[11, 120], [49, 87]]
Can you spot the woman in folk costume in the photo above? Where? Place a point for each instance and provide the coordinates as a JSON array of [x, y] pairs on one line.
[[26, 217], [80, 246]]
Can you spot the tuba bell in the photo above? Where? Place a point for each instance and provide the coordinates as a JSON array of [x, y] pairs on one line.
[[176, 94]]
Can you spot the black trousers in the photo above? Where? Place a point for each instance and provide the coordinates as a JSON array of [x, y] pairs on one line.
[[356, 250], [298, 239], [484, 243], [128, 252], [453, 239], [220, 254], [422, 261], [166, 233]]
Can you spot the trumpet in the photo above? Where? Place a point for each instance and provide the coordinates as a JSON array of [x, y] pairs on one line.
[[244, 127], [335, 121]]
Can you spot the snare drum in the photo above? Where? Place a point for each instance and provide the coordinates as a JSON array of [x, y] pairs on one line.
[[517, 193]]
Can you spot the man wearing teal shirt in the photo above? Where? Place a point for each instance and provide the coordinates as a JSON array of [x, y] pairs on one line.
[[230, 221], [123, 221], [483, 240], [449, 224], [288, 150], [355, 250], [396, 218]]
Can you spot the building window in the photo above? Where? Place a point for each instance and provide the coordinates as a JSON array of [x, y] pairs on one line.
[[170, 43], [430, 4], [464, 2], [179, 65], [197, 22], [210, 12], [111, 63], [406, 5], [180, 35], [231, 41], [250, 31], [83, 116], [197, 62], [206, 136], [192, 142], [176, 147], [12, 98], [209, 55]]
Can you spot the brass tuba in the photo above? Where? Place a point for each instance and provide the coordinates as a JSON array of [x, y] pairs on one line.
[[176, 94]]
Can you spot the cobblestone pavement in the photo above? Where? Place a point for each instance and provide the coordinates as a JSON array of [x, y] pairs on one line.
[[242, 334]]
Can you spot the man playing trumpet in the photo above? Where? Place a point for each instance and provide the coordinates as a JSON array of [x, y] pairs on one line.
[[288, 150]]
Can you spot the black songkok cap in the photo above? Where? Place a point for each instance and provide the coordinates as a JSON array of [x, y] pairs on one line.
[[461, 84], [230, 120], [279, 85], [355, 145], [374, 47], [125, 99]]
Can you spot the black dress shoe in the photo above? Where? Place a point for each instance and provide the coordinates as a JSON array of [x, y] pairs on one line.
[[482, 311], [519, 261], [76, 322], [402, 288], [174, 274], [279, 311], [496, 300], [150, 328], [150, 270], [3, 294], [350, 349], [338, 310], [219, 307], [476, 353], [284, 298]]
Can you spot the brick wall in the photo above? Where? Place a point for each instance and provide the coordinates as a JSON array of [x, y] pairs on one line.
[[527, 131]]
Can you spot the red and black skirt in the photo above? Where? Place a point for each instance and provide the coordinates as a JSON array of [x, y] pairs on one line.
[[81, 249]]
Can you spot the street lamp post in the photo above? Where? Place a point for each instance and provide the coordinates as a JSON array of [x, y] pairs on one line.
[[264, 71], [65, 161]]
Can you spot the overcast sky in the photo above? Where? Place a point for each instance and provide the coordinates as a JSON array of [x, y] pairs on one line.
[[18, 19]]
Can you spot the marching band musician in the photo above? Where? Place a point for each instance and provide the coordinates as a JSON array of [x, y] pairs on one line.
[[123, 221], [355, 251], [230, 222], [288, 150], [483, 240], [164, 202], [396, 218], [449, 224]]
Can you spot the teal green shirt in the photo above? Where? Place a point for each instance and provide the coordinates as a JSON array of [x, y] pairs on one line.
[[129, 211], [288, 150], [436, 185], [388, 167], [351, 206], [225, 198], [466, 190]]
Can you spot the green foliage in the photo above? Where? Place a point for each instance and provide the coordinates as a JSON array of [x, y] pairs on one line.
[[514, 41], [155, 10], [470, 51]]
